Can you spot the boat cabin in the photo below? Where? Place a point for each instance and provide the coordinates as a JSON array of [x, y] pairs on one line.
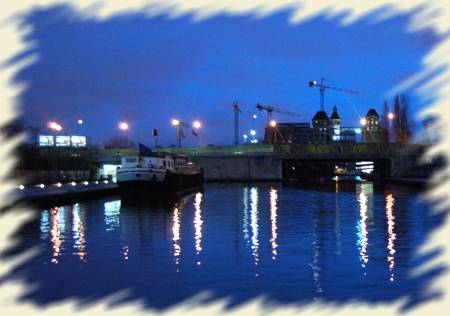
[[165, 162]]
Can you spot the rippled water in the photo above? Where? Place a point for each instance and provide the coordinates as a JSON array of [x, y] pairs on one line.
[[237, 241]]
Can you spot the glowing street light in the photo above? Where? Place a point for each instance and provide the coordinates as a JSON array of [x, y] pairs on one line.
[[175, 122], [124, 126], [245, 136], [54, 126], [253, 132], [273, 123], [363, 121], [390, 115], [196, 124], [255, 116], [80, 122]]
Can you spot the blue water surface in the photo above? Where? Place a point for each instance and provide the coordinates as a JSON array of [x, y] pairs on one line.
[[292, 244]]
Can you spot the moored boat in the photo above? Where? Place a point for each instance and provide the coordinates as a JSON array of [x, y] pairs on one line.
[[157, 175]]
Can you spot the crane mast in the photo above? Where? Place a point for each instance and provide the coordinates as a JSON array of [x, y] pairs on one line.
[[236, 111]]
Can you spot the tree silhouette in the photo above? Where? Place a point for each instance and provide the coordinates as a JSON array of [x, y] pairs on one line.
[[118, 142], [402, 123]]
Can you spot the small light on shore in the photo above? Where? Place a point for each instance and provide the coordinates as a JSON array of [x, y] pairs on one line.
[[42, 185], [21, 187], [73, 183]]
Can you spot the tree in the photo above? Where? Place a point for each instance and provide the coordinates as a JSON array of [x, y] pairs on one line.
[[385, 121], [402, 124], [118, 142]]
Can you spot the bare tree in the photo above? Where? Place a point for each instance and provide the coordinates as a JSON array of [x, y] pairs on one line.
[[118, 142], [385, 122], [402, 123]]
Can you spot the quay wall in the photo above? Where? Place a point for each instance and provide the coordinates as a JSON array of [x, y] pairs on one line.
[[240, 168]]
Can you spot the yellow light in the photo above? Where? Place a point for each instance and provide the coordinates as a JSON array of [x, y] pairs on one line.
[[197, 124], [273, 123], [363, 121], [175, 122]]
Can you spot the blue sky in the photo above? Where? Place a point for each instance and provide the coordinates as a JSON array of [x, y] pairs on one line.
[[147, 70]]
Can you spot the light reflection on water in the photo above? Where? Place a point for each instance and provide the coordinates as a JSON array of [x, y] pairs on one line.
[[273, 222], [198, 224], [254, 223], [391, 234], [285, 237]]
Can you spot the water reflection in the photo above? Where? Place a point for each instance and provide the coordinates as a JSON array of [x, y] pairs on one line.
[[44, 224], [78, 228], [112, 214], [176, 235], [55, 233], [245, 220], [361, 227], [254, 224], [309, 227], [273, 221], [198, 224], [391, 234]]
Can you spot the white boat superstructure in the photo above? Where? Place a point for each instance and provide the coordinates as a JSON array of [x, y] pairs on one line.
[[145, 168]]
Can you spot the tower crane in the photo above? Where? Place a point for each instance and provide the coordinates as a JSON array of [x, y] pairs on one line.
[[322, 89], [236, 111], [270, 109]]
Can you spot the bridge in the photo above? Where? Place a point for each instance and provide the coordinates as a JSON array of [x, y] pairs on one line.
[[275, 162]]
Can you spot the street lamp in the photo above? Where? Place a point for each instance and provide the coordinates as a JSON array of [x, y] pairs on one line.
[[123, 126], [390, 117], [196, 124], [255, 116], [363, 121], [80, 122], [54, 126], [273, 123], [177, 124], [253, 132]]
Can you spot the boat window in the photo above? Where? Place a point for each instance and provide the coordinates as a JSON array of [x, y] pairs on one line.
[[164, 163]]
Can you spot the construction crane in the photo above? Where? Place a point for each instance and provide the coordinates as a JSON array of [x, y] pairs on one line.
[[322, 89], [236, 111], [270, 109]]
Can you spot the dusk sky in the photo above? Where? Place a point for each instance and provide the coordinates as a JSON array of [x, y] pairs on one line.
[[147, 70]]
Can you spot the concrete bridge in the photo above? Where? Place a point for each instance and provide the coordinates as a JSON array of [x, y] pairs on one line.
[[275, 162]]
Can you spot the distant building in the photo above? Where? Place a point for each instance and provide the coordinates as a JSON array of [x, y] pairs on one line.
[[288, 133], [372, 132], [325, 129]]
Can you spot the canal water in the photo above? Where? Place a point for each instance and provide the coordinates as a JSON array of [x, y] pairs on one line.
[[291, 244]]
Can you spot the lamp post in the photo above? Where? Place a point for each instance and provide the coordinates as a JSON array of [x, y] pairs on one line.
[[363, 122], [125, 127], [273, 124], [390, 118], [56, 128], [196, 125], [79, 123], [177, 124]]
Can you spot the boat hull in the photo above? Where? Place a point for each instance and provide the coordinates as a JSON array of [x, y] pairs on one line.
[[173, 184]]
